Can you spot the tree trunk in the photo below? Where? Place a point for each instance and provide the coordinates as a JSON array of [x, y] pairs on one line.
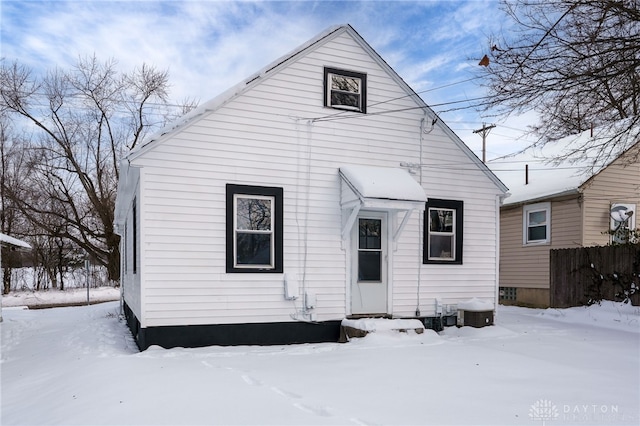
[[113, 258], [6, 281]]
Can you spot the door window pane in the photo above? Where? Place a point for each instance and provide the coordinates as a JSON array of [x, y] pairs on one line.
[[369, 266], [369, 250], [370, 234]]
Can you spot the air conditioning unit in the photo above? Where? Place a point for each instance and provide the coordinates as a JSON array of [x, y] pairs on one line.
[[475, 319], [475, 313]]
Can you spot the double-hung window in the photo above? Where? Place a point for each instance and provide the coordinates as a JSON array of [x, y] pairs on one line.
[[536, 223], [345, 90], [443, 231], [254, 229]]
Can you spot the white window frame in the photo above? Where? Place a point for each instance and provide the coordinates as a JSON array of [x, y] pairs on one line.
[[270, 232], [331, 90], [533, 208], [452, 234], [361, 93]]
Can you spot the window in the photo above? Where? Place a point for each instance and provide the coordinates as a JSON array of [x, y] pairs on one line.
[[508, 293], [254, 229], [134, 236], [443, 231], [370, 250], [536, 224], [345, 90]]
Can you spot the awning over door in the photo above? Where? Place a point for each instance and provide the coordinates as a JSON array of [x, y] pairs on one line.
[[379, 188]]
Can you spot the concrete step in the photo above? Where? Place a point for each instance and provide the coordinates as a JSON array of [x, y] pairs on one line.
[[354, 328]]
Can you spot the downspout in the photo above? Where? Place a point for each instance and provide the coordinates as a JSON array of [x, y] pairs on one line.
[[499, 199], [303, 174], [305, 311]]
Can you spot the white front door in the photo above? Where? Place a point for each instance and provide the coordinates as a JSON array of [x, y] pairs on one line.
[[369, 290]]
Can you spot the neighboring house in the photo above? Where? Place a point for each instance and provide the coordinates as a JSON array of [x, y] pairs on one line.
[[13, 244], [298, 198], [555, 206]]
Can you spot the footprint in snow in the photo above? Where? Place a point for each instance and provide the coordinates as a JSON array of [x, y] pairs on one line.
[[285, 393], [251, 381], [318, 411]]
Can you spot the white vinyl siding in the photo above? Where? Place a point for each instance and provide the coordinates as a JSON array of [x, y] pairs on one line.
[[264, 138]]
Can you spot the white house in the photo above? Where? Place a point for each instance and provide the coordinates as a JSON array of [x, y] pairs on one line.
[[320, 188]]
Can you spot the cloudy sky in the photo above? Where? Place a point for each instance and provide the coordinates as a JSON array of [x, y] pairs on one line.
[[209, 45]]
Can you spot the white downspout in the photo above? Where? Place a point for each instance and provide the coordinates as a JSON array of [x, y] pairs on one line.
[[497, 266]]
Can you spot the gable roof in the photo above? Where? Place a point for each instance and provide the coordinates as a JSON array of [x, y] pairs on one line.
[[547, 177], [6, 240], [255, 79]]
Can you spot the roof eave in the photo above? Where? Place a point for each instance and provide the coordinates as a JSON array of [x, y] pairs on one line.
[[542, 198]]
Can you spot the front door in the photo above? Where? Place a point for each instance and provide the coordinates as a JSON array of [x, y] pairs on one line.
[[369, 264]]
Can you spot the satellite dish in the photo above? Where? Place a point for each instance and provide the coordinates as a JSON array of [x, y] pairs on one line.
[[621, 213]]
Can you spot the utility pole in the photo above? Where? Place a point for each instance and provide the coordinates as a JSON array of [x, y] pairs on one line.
[[484, 131]]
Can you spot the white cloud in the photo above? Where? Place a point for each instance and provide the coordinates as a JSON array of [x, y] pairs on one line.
[[209, 46]]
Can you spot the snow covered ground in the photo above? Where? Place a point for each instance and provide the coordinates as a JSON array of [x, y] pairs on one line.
[[79, 365], [54, 297]]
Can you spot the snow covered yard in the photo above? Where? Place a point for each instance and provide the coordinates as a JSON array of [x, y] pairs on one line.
[[53, 297], [79, 365]]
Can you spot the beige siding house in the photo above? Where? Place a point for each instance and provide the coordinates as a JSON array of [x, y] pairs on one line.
[[555, 206]]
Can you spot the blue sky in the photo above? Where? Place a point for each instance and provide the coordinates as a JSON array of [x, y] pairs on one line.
[[208, 46]]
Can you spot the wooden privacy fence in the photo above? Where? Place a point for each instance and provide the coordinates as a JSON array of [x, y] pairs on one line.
[[582, 276]]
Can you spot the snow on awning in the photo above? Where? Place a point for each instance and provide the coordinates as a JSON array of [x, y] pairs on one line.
[[6, 240], [379, 188], [391, 188]]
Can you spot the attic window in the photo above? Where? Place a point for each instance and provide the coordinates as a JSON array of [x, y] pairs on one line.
[[345, 90]]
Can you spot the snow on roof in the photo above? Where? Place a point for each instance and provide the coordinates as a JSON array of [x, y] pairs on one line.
[[383, 182], [10, 241], [232, 92], [547, 177]]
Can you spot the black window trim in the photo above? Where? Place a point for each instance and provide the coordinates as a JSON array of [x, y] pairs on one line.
[[363, 88], [134, 242], [456, 205], [278, 232]]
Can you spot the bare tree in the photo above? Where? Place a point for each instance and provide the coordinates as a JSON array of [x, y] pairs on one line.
[[84, 119], [12, 222], [576, 63]]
